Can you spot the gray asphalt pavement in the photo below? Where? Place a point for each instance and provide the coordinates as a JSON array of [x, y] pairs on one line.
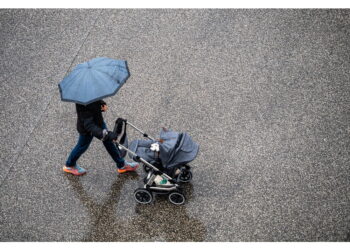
[[264, 92]]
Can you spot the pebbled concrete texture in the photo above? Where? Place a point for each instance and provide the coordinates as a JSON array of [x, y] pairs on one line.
[[264, 92], [37, 48]]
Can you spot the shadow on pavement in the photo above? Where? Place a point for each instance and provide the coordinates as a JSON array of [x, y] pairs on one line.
[[159, 221]]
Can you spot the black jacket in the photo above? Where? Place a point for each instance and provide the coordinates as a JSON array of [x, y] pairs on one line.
[[90, 119]]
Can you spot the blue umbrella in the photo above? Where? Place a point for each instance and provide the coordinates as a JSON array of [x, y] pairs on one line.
[[94, 80]]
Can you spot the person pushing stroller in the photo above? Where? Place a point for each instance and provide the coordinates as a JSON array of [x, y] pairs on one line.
[[90, 124], [86, 86]]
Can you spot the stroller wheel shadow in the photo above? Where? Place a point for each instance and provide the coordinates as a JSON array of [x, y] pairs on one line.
[[159, 221], [168, 222]]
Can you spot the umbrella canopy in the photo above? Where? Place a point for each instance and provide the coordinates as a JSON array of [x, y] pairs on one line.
[[94, 80]]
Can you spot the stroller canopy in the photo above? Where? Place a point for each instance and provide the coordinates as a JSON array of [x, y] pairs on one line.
[[174, 149]]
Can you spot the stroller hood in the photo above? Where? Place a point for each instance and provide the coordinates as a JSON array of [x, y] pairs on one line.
[[177, 148], [174, 149]]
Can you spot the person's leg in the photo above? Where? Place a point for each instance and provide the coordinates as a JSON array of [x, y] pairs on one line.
[[114, 152], [71, 163]]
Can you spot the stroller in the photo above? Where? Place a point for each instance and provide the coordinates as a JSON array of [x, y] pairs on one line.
[[166, 158]]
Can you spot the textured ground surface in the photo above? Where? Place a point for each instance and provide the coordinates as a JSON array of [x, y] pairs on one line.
[[264, 92]]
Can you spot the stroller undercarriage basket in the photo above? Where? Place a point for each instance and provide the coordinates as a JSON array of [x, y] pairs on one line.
[[166, 158]]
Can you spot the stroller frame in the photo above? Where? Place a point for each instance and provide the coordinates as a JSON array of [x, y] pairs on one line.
[[145, 195]]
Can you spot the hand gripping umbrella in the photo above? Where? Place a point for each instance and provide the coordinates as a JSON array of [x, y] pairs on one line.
[[94, 80]]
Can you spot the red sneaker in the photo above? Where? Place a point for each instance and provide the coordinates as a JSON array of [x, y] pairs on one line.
[[77, 170], [128, 167]]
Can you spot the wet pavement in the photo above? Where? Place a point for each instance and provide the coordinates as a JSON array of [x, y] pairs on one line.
[[264, 92]]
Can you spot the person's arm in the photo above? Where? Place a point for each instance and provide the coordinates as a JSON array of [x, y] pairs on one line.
[[90, 126]]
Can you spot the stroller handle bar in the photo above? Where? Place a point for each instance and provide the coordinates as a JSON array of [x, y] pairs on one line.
[[143, 133]]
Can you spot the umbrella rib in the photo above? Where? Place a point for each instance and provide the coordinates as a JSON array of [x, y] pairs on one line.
[[103, 73], [71, 86], [109, 65], [86, 85], [116, 65], [68, 85], [112, 77], [95, 79], [93, 75]]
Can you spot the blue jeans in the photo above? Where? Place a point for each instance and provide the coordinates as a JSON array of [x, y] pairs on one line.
[[84, 143]]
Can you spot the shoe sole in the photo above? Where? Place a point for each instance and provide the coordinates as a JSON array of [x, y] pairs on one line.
[[122, 171], [69, 172]]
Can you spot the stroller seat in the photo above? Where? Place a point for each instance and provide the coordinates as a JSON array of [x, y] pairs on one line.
[[175, 150]]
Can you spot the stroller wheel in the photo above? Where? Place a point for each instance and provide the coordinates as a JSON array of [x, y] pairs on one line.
[[185, 175], [143, 196], [146, 168], [176, 198]]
